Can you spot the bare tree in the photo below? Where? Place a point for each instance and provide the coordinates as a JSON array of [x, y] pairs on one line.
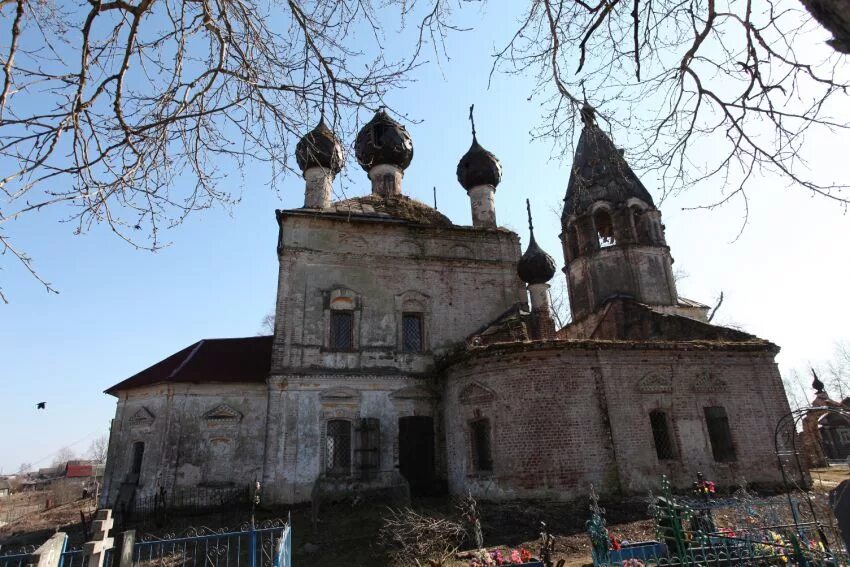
[[834, 15], [837, 370], [129, 112], [24, 468], [696, 89], [99, 448], [411, 538], [795, 390], [267, 324], [62, 456], [560, 302]]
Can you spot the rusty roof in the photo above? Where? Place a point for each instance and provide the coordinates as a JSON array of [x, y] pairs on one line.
[[208, 360], [399, 208]]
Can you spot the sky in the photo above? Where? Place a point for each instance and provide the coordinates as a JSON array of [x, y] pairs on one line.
[[120, 310]]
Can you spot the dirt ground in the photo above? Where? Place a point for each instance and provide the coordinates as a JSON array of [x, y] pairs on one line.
[[346, 533]]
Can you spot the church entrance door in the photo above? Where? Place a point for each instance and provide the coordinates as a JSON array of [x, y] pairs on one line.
[[416, 453]]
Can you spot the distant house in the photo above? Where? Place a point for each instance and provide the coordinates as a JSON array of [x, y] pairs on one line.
[[83, 470], [5, 488], [835, 434]]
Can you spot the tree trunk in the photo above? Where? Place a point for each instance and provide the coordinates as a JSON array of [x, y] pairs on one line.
[[834, 15]]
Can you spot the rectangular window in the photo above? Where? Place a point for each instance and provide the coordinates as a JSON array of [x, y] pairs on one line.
[[338, 447], [661, 435], [342, 330], [719, 434], [411, 332], [482, 459], [368, 450]]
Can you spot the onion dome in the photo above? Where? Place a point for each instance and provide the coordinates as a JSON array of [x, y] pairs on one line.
[[535, 266], [478, 167], [320, 148], [817, 385], [383, 141]]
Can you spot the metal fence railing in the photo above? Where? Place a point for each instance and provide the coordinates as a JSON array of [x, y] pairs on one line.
[[259, 547], [16, 557], [268, 544], [186, 502], [739, 530]]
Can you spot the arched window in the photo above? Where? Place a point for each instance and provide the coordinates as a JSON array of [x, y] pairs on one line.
[[338, 447], [642, 226], [342, 320], [482, 456], [664, 449], [413, 318], [604, 228], [411, 332]]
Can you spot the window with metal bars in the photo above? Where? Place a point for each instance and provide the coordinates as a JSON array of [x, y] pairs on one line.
[[411, 332], [482, 459], [342, 330], [338, 447], [719, 434], [661, 435]]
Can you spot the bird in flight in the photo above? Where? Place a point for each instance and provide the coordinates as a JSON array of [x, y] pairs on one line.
[[41, 405]]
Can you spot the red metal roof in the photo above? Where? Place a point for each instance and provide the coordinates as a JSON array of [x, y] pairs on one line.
[[78, 471], [210, 360]]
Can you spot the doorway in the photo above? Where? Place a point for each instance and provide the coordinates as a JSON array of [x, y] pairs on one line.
[[416, 453]]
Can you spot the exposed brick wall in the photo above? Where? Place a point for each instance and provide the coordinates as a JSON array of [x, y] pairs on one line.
[[565, 417], [469, 277]]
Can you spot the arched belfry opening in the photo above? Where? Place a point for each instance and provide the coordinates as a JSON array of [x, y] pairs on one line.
[[604, 228]]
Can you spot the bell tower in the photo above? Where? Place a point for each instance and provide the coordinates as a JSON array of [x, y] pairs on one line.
[[612, 234]]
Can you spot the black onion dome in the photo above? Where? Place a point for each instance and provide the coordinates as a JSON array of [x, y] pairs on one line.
[[383, 140], [817, 385], [478, 167], [535, 266], [320, 148]]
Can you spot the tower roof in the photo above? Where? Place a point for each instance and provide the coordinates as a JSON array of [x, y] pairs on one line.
[[599, 172]]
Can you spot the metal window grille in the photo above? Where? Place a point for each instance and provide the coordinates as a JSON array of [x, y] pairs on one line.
[[719, 434], [342, 330], [661, 436], [482, 459], [411, 332], [338, 439]]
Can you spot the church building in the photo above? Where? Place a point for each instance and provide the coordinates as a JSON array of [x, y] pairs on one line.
[[412, 353]]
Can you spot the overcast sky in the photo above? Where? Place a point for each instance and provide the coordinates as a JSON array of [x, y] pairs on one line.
[[121, 310]]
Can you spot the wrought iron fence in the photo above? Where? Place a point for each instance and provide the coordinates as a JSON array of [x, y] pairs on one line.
[[203, 547], [17, 556], [753, 532], [187, 502], [76, 557]]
